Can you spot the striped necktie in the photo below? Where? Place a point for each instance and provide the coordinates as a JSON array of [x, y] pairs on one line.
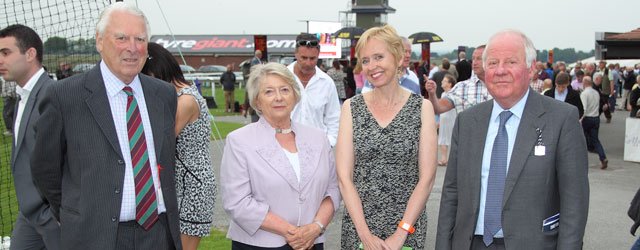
[[146, 204], [495, 183]]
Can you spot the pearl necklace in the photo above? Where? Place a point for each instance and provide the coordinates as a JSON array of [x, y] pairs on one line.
[[283, 131]]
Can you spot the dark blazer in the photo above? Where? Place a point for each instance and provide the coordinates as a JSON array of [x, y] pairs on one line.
[[77, 164], [536, 187], [423, 70], [573, 98], [633, 100], [634, 212], [464, 70], [30, 203]]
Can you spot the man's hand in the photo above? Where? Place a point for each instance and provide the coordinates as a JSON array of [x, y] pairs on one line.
[[430, 86]]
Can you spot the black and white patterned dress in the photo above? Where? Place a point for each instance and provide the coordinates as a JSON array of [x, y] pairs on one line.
[[195, 181], [385, 172]]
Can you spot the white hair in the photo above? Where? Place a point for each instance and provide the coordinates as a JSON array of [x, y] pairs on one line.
[[259, 73], [405, 40], [101, 26], [529, 49]]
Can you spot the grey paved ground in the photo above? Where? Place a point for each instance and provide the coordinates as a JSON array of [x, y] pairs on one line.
[[611, 191]]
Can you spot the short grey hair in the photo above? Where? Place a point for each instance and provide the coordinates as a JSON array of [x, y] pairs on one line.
[[405, 40], [101, 26], [529, 50], [259, 73]]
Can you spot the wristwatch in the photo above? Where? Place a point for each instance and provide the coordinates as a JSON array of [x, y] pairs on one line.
[[322, 228]]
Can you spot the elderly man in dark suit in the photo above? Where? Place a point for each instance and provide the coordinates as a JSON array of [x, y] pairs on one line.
[[517, 173], [21, 61], [105, 146]]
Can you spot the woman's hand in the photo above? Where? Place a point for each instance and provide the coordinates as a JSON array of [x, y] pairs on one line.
[[372, 242], [303, 237], [397, 239]]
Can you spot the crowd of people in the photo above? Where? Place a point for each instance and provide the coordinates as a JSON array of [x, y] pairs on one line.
[[118, 157]]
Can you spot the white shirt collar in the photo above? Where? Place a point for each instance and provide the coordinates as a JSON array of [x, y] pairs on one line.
[[114, 85], [317, 74], [517, 109], [26, 90]]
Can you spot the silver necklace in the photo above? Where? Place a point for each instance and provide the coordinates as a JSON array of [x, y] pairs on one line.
[[283, 131]]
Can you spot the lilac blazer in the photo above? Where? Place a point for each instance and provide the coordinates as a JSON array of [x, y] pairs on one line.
[[256, 177]]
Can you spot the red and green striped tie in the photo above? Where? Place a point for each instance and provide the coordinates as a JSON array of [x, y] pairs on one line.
[[146, 205]]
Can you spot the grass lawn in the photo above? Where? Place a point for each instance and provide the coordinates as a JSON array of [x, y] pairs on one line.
[[219, 97], [8, 202], [216, 240], [224, 128]]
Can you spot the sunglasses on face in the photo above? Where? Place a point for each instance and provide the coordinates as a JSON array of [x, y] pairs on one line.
[[308, 43]]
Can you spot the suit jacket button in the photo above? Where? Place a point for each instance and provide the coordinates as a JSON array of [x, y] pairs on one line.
[[117, 191], [120, 162], [114, 219]]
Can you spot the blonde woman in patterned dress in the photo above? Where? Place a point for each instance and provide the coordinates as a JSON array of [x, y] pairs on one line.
[[195, 181], [385, 153]]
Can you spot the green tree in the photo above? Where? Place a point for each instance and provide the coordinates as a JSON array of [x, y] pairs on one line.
[[55, 44]]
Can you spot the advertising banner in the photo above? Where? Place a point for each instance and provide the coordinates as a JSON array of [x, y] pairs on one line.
[[329, 46], [632, 140], [224, 44]]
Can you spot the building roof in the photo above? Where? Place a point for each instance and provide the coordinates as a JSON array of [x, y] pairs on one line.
[[631, 35], [372, 9]]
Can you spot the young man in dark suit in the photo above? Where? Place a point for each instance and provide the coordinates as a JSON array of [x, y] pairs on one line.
[[563, 93], [21, 53]]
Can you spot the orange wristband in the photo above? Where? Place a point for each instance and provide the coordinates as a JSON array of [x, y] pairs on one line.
[[406, 227]]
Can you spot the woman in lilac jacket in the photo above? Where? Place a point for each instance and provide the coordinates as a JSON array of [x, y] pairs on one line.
[[278, 177]]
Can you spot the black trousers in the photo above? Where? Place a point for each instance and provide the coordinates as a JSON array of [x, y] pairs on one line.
[[478, 244], [132, 236], [241, 246]]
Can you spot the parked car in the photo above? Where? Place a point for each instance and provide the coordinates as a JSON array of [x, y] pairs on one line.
[[82, 67], [187, 69], [212, 69], [212, 73]]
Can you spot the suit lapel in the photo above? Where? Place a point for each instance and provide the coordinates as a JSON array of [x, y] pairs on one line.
[[479, 127], [28, 108], [98, 104], [309, 155], [526, 139], [156, 113], [273, 155]]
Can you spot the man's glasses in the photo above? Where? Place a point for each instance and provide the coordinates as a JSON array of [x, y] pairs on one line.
[[313, 43]]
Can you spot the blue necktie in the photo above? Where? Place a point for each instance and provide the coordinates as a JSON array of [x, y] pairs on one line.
[[495, 184]]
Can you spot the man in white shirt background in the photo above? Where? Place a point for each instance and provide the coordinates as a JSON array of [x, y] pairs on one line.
[[319, 106], [590, 99]]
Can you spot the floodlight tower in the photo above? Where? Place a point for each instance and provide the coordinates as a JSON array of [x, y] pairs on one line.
[[371, 13]]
